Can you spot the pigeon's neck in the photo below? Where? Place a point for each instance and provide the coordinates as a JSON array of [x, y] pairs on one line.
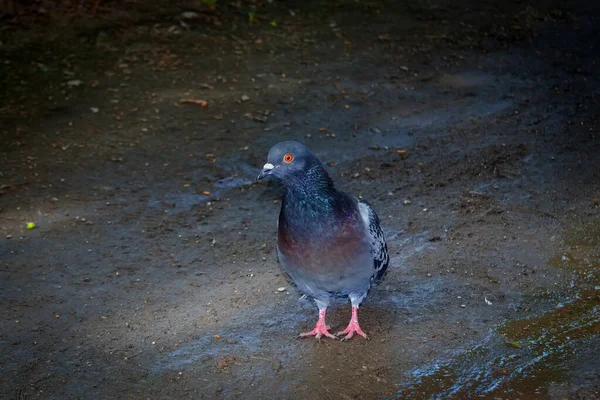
[[310, 195], [308, 201], [314, 179]]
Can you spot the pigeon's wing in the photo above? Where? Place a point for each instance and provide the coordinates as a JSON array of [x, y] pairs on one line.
[[374, 233]]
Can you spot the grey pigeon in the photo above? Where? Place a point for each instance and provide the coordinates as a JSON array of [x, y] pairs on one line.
[[329, 243]]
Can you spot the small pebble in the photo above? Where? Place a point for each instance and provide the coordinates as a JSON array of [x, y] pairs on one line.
[[281, 289], [189, 15], [74, 82]]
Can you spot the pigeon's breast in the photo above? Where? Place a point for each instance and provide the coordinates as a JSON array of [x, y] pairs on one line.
[[314, 247], [332, 257]]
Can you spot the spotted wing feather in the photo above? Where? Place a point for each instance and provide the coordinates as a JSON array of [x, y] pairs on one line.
[[379, 249]]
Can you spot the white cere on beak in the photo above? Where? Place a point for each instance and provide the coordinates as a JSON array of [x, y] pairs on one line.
[[268, 167]]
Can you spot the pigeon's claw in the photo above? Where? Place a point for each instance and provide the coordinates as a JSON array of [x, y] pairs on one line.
[[352, 328], [318, 333], [321, 329]]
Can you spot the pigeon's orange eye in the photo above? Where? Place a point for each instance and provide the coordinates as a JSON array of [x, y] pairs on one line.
[[288, 158]]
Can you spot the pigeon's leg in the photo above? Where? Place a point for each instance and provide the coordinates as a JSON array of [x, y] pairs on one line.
[[353, 327], [321, 328]]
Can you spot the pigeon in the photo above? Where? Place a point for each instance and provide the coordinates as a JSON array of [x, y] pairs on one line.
[[329, 243]]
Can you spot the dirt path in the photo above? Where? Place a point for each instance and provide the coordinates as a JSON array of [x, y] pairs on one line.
[[152, 273]]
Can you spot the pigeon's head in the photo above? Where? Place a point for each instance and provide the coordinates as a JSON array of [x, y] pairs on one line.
[[287, 160]]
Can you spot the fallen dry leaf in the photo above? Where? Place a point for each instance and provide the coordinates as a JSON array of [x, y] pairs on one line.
[[201, 103]]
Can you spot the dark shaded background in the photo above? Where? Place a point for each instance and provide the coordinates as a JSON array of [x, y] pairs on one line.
[[131, 134]]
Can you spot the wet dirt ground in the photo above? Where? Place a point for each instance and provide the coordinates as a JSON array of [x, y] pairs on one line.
[[151, 272]]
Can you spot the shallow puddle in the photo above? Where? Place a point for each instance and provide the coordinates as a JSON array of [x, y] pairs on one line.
[[522, 358]]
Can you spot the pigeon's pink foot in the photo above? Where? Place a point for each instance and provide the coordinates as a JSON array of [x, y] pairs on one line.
[[321, 329], [352, 327]]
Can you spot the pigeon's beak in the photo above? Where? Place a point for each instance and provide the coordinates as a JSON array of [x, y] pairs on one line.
[[267, 169]]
